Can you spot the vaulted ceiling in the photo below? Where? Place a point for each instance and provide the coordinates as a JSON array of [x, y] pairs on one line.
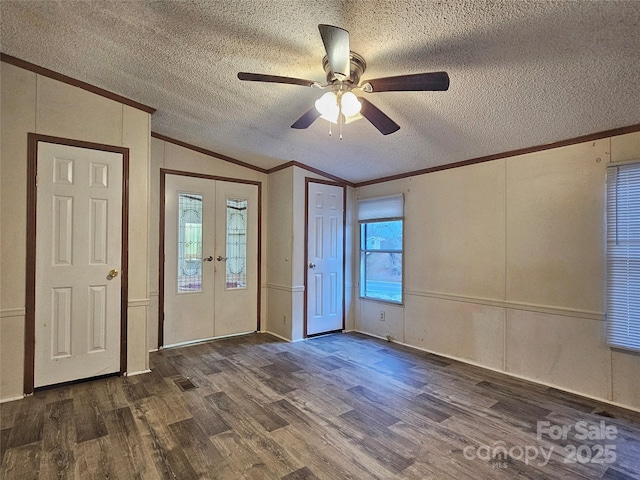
[[523, 72]]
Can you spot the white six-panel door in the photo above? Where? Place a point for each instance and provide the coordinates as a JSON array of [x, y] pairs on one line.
[[325, 253], [78, 258], [211, 259]]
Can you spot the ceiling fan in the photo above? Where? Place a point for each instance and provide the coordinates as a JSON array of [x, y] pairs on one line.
[[344, 69]]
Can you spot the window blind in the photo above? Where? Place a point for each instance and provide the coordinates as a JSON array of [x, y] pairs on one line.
[[381, 208], [623, 256]]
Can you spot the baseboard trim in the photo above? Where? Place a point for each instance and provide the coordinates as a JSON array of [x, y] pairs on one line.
[[133, 374], [278, 336], [11, 399], [204, 340], [283, 338], [509, 374]]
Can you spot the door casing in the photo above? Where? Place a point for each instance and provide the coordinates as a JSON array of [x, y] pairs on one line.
[[163, 174], [30, 287]]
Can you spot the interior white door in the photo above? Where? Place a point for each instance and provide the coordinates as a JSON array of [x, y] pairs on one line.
[[189, 269], [78, 258], [325, 254], [211, 259], [236, 306]]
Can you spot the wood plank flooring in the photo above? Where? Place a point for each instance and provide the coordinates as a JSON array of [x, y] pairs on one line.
[[342, 406]]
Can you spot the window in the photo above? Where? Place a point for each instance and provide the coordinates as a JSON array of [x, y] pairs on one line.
[[623, 256], [381, 226]]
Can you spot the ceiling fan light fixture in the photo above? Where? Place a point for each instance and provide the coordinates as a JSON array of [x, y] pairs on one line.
[[331, 117], [331, 105], [327, 103], [350, 104], [327, 106]]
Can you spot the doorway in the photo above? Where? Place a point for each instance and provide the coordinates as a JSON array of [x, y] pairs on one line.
[[210, 257], [77, 226], [325, 259]]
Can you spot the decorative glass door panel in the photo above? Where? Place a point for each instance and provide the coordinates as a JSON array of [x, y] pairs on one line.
[[189, 242], [236, 264]]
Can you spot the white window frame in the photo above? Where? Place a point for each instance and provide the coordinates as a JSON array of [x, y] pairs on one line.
[[376, 210], [623, 256]]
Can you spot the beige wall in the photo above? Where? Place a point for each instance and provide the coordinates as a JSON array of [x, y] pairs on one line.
[[279, 284], [286, 263], [504, 268], [33, 103], [174, 157]]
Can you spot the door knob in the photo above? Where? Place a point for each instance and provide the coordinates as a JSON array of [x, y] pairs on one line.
[[208, 259], [220, 258], [312, 265], [112, 274]]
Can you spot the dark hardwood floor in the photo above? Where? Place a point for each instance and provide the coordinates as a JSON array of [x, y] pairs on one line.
[[333, 407]]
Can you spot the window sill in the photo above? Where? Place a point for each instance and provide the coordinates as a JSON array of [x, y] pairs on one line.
[[381, 300]]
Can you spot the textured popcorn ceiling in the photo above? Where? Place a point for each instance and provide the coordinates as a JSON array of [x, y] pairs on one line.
[[523, 72]]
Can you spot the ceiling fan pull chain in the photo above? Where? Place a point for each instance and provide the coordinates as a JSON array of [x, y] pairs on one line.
[[340, 122]]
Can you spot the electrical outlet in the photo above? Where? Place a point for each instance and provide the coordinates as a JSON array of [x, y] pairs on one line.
[[381, 316], [284, 319]]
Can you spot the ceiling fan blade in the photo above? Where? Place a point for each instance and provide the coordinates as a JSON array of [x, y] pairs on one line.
[[419, 82], [259, 77], [336, 43], [307, 119], [377, 117]]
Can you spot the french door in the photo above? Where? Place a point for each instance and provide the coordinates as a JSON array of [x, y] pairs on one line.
[[210, 259]]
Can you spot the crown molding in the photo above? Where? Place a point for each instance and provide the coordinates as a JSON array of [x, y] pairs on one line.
[[512, 153], [74, 82]]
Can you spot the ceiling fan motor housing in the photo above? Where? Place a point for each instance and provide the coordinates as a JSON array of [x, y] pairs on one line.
[[357, 66]]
